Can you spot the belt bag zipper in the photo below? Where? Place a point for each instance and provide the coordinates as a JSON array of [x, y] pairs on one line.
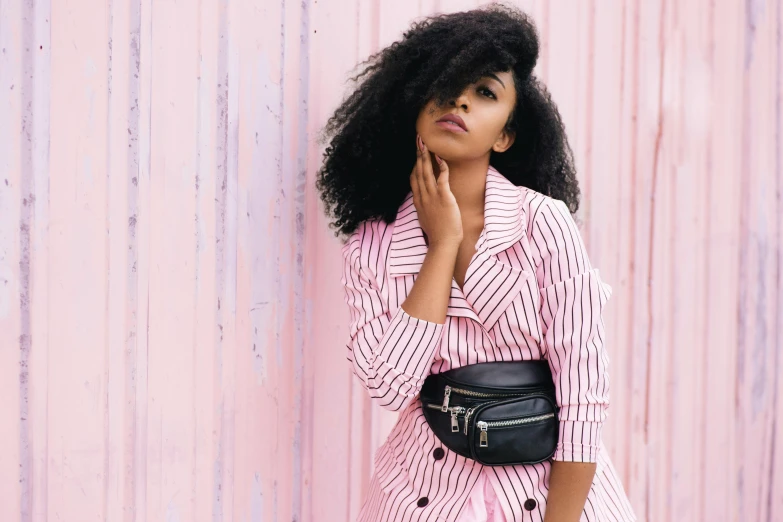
[[470, 393], [454, 410], [484, 426]]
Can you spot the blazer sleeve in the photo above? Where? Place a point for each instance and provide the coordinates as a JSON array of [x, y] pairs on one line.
[[572, 301], [391, 353]]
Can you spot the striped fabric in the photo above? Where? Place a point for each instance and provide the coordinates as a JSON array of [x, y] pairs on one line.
[[530, 292], [483, 504]]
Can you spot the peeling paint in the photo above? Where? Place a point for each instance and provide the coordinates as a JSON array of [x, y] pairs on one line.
[[256, 500], [172, 513]]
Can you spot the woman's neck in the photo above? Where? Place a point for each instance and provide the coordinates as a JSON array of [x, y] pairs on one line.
[[468, 182]]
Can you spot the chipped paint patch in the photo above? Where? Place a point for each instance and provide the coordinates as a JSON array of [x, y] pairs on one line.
[[6, 285], [256, 500]]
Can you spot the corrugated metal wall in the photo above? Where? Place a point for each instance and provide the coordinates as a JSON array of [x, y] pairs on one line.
[[172, 326]]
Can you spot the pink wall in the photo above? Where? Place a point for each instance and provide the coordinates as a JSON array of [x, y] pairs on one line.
[[171, 322]]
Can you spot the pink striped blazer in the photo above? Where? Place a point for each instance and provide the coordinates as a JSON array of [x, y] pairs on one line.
[[530, 292]]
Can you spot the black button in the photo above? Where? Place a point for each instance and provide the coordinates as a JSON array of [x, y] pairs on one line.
[[530, 504], [438, 453], [423, 501]]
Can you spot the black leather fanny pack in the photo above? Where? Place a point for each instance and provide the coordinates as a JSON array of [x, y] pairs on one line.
[[497, 413]]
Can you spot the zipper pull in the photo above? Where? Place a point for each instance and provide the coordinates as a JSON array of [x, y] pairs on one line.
[[467, 418], [483, 439], [446, 394], [454, 421]]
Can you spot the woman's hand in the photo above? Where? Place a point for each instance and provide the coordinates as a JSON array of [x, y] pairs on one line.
[[437, 208], [440, 219]]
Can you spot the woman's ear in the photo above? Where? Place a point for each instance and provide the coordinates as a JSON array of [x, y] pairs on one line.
[[504, 142]]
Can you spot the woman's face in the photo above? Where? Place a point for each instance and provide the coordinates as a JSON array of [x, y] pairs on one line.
[[484, 107]]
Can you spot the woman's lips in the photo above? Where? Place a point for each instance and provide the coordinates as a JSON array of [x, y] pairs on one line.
[[453, 127]]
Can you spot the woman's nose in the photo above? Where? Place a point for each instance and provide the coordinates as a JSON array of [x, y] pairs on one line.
[[462, 102]]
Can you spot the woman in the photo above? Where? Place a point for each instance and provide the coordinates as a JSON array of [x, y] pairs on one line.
[[471, 256]]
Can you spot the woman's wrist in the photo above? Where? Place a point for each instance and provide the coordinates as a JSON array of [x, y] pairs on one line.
[[450, 244], [429, 296]]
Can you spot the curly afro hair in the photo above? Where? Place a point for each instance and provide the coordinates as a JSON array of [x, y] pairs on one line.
[[366, 169]]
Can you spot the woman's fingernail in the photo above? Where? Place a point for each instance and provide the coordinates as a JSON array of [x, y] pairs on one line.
[[440, 161], [420, 143]]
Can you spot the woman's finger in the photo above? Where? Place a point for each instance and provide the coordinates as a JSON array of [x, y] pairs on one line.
[[427, 176], [419, 168], [443, 177], [415, 183]]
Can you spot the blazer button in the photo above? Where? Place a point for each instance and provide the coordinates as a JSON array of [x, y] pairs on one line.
[[438, 453], [423, 501], [530, 504]]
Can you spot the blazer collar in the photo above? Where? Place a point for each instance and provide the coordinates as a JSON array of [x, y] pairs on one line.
[[504, 225]]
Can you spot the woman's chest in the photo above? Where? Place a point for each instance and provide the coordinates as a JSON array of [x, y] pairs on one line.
[[467, 249]]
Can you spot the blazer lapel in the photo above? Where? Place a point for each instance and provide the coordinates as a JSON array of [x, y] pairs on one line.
[[490, 283], [505, 219]]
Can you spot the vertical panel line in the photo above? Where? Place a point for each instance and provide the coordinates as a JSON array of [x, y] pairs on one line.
[[26, 216]]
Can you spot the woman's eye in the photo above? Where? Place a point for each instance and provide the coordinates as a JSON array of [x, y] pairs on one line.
[[485, 89]]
